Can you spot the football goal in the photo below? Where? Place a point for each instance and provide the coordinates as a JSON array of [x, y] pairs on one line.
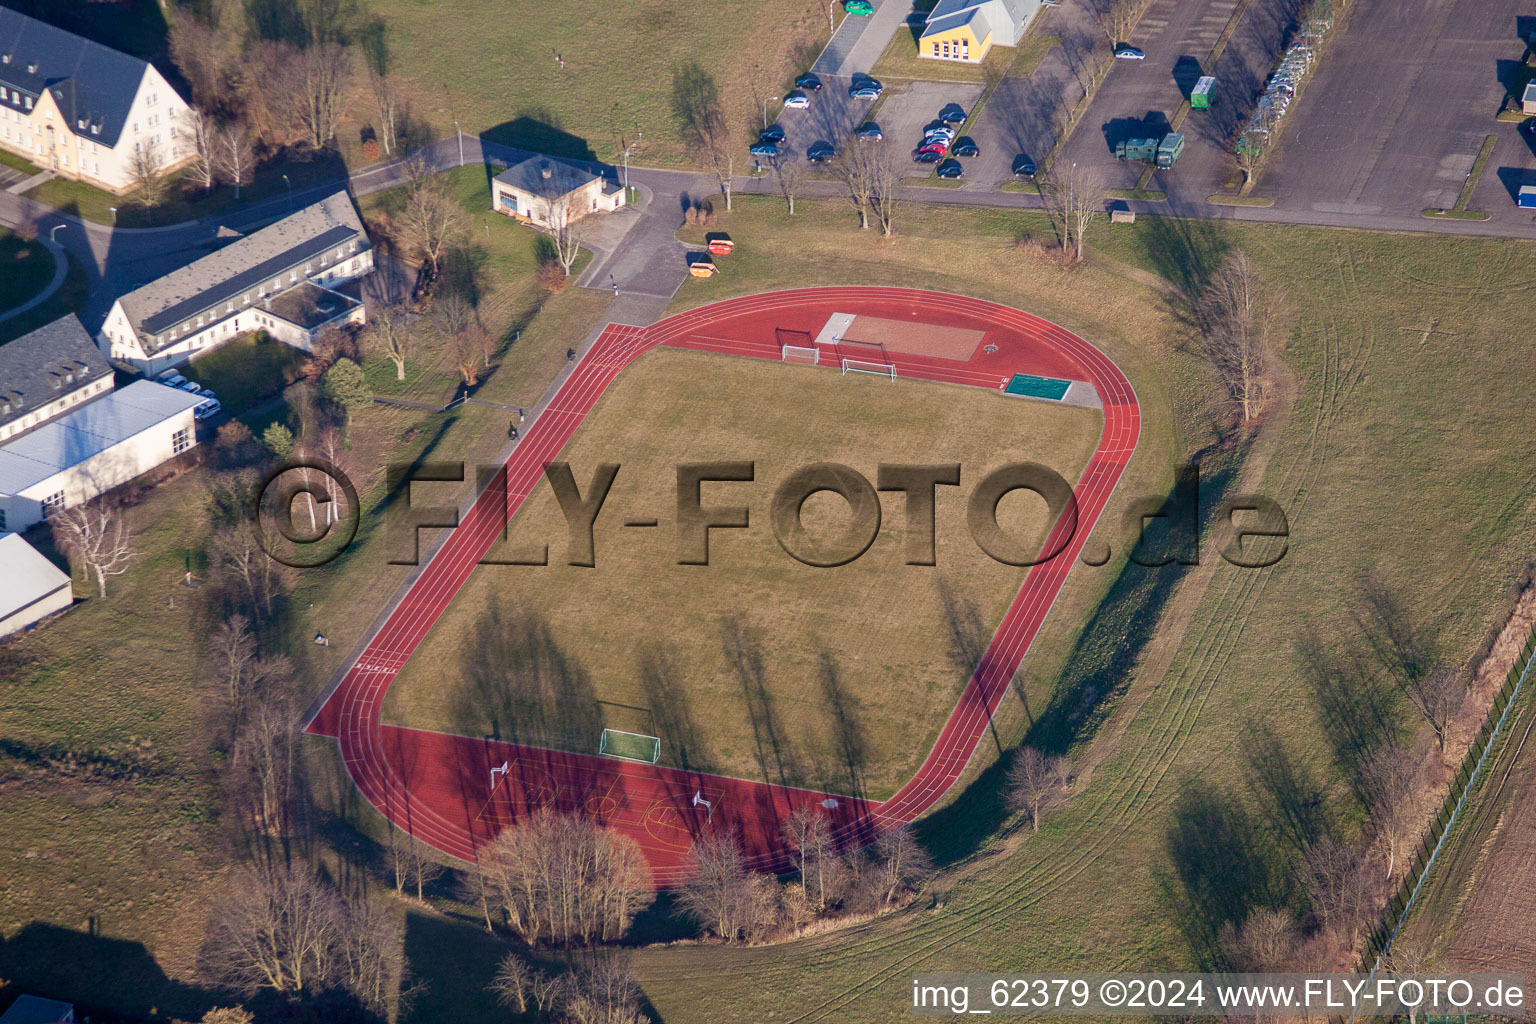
[[631, 746], [868, 366], [800, 354]]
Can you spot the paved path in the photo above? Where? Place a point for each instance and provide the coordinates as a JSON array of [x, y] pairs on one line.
[[440, 786], [861, 39]]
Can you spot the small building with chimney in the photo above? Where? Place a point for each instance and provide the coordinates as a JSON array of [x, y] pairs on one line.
[[546, 192]]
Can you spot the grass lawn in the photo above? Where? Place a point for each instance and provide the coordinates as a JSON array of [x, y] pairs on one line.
[[19, 163], [70, 298], [496, 71], [643, 631], [187, 200], [900, 60], [25, 267], [244, 371]]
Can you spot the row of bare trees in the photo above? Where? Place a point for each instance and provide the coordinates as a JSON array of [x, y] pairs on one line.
[[563, 879], [734, 903], [284, 928], [604, 991]]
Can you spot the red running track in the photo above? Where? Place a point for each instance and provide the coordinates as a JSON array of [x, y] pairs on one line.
[[437, 785]]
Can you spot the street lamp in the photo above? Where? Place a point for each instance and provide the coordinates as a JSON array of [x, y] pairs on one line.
[[114, 215], [628, 146], [459, 132], [53, 233], [765, 110], [290, 192]]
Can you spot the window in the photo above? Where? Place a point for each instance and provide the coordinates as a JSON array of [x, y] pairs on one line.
[[181, 440], [935, 49], [965, 49], [53, 502], [946, 47], [135, 127], [2, 520], [29, 102]]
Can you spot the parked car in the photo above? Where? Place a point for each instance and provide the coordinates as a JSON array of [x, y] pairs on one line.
[[953, 113], [171, 379], [808, 81], [1125, 51], [797, 100], [1024, 167], [773, 133], [190, 387], [933, 147], [943, 135], [206, 393], [858, 7], [949, 169], [864, 92], [927, 156], [207, 409], [870, 131], [820, 151], [966, 147], [764, 149]]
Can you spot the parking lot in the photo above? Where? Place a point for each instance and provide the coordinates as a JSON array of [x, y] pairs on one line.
[[1139, 98], [1395, 114], [912, 106], [832, 117]]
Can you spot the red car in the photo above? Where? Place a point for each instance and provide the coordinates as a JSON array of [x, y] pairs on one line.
[[932, 147]]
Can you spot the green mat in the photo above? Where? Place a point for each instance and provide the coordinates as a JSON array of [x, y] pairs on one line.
[[1037, 387]]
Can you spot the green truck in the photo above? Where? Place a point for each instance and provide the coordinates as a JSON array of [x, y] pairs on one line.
[[1163, 153]]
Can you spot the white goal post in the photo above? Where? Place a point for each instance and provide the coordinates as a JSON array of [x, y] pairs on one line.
[[800, 354], [868, 366]]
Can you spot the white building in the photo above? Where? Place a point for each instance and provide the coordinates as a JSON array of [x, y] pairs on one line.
[[106, 442], [49, 371], [34, 587], [544, 191], [280, 279], [83, 110]]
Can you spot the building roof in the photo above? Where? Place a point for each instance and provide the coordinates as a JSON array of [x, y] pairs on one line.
[[45, 365], [1006, 18], [29, 577], [91, 83], [35, 1009], [243, 264], [529, 176], [88, 431], [1530, 92]]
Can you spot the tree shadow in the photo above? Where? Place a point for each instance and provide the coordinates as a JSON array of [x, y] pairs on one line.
[[1221, 866], [519, 678], [1288, 794], [847, 731], [539, 131], [682, 744], [743, 653], [1359, 713]]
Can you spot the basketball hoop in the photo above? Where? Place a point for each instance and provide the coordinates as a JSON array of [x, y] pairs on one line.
[[501, 770], [698, 798]]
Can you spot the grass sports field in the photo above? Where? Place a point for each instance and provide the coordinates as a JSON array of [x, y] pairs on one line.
[[756, 665]]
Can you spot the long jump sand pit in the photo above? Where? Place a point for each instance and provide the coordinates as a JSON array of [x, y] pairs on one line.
[[910, 338]]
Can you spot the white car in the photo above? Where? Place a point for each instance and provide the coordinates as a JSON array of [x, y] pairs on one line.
[[797, 100], [207, 409], [171, 379], [1125, 52]]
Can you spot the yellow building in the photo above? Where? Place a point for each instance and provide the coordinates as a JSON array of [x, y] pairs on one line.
[[965, 30]]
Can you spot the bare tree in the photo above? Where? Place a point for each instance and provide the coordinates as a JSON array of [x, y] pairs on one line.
[[1436, 696], [1073, 198], [228, 1015], [1237, 313], [563, 225], [903, 861], [808, 832], [857, 168], [562, 878], [147, 172], [1118, 18], [1388, 780], [319, 76], [513, 983], [235, 156], [1033, 779], [721, 894], [605, 992], [1265, 943], [701, 116], [204, 134], [97, 537], [208, 52], [433, 220], [390, 105], [265, 752], [283, 928], [390, 333], [238, 556], [234, 652], [1339, 887], [787, 172]]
